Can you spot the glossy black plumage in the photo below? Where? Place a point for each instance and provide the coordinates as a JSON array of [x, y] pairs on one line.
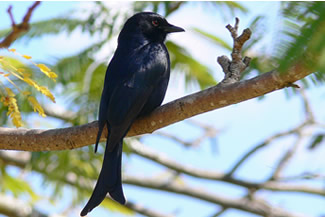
[[135, 84]]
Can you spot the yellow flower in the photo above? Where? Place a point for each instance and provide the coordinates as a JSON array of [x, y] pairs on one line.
[[47, 93], [37, 107], [27, 57], [13, 111], [9, 92], [47, 71]]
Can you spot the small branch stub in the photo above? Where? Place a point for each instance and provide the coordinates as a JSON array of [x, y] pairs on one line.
[[13, 24], [18, 29], [233, 68]]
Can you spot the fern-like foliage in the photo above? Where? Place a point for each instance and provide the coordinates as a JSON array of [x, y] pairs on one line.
[[303, 37]]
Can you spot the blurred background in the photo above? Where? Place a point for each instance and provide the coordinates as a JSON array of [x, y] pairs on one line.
[[262, 157]]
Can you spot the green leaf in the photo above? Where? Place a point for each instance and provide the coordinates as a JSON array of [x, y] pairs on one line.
[[304, 39], [17, 186], [116, 207], [316, 141], [194, 70], [213, 38]]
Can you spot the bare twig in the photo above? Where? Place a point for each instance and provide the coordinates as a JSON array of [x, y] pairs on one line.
[[220, 212], [144, 151], [259, 207], [13, 24], [18, 29], [308, 111], [233, 68], [209, 132], [22, 159], [265, 143], [283, 162], [145, 211], [303, 176], [10, 206]]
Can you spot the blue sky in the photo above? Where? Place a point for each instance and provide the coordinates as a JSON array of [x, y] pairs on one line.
[[242, 125]]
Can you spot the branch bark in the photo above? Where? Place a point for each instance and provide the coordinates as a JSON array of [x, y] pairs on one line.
[[18, 29], [228, 92], [207, 100]]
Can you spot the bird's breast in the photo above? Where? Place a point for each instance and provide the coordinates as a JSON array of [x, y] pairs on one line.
[[156, 61]]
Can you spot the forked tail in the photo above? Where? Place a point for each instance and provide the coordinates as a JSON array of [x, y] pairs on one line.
[[109, 181]]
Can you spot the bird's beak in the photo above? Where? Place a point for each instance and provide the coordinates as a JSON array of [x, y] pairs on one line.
[[171, 28]]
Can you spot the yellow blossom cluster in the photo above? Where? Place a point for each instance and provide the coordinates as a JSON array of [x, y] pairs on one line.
[[8, 96]]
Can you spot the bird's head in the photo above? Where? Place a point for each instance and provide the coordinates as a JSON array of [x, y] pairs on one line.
[[151, 25]]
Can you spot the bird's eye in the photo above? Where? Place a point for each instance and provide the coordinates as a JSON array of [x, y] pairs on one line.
[[155, 22]]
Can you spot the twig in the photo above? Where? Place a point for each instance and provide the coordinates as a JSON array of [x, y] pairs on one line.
[[266, 142], [13, 24], [144, 151], [308, 111], [18, 29], [209, 132], [233, 68], [259, 207], [285, 159], [303, 176], [174, 138], [145, 211], [10, 206], [220, 212], [21, 160]]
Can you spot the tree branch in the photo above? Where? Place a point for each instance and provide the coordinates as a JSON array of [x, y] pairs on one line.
[[161, 159], [207, 100], [256, 206], [296, 131], [145, 211], [13, 207], [18, 29], [175, 111], [21, 160]]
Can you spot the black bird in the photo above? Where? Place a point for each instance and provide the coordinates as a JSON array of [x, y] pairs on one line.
[[135, 84]]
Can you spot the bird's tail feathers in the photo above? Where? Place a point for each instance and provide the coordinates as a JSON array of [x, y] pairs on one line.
[[101, 126], [109, 181]]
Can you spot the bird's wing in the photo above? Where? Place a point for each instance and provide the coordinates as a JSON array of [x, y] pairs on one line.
[[129, 97], [129, 82]]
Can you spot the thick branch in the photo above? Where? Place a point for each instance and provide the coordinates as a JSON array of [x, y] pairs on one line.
[[18, 29], [178, 110], [210, 99]]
